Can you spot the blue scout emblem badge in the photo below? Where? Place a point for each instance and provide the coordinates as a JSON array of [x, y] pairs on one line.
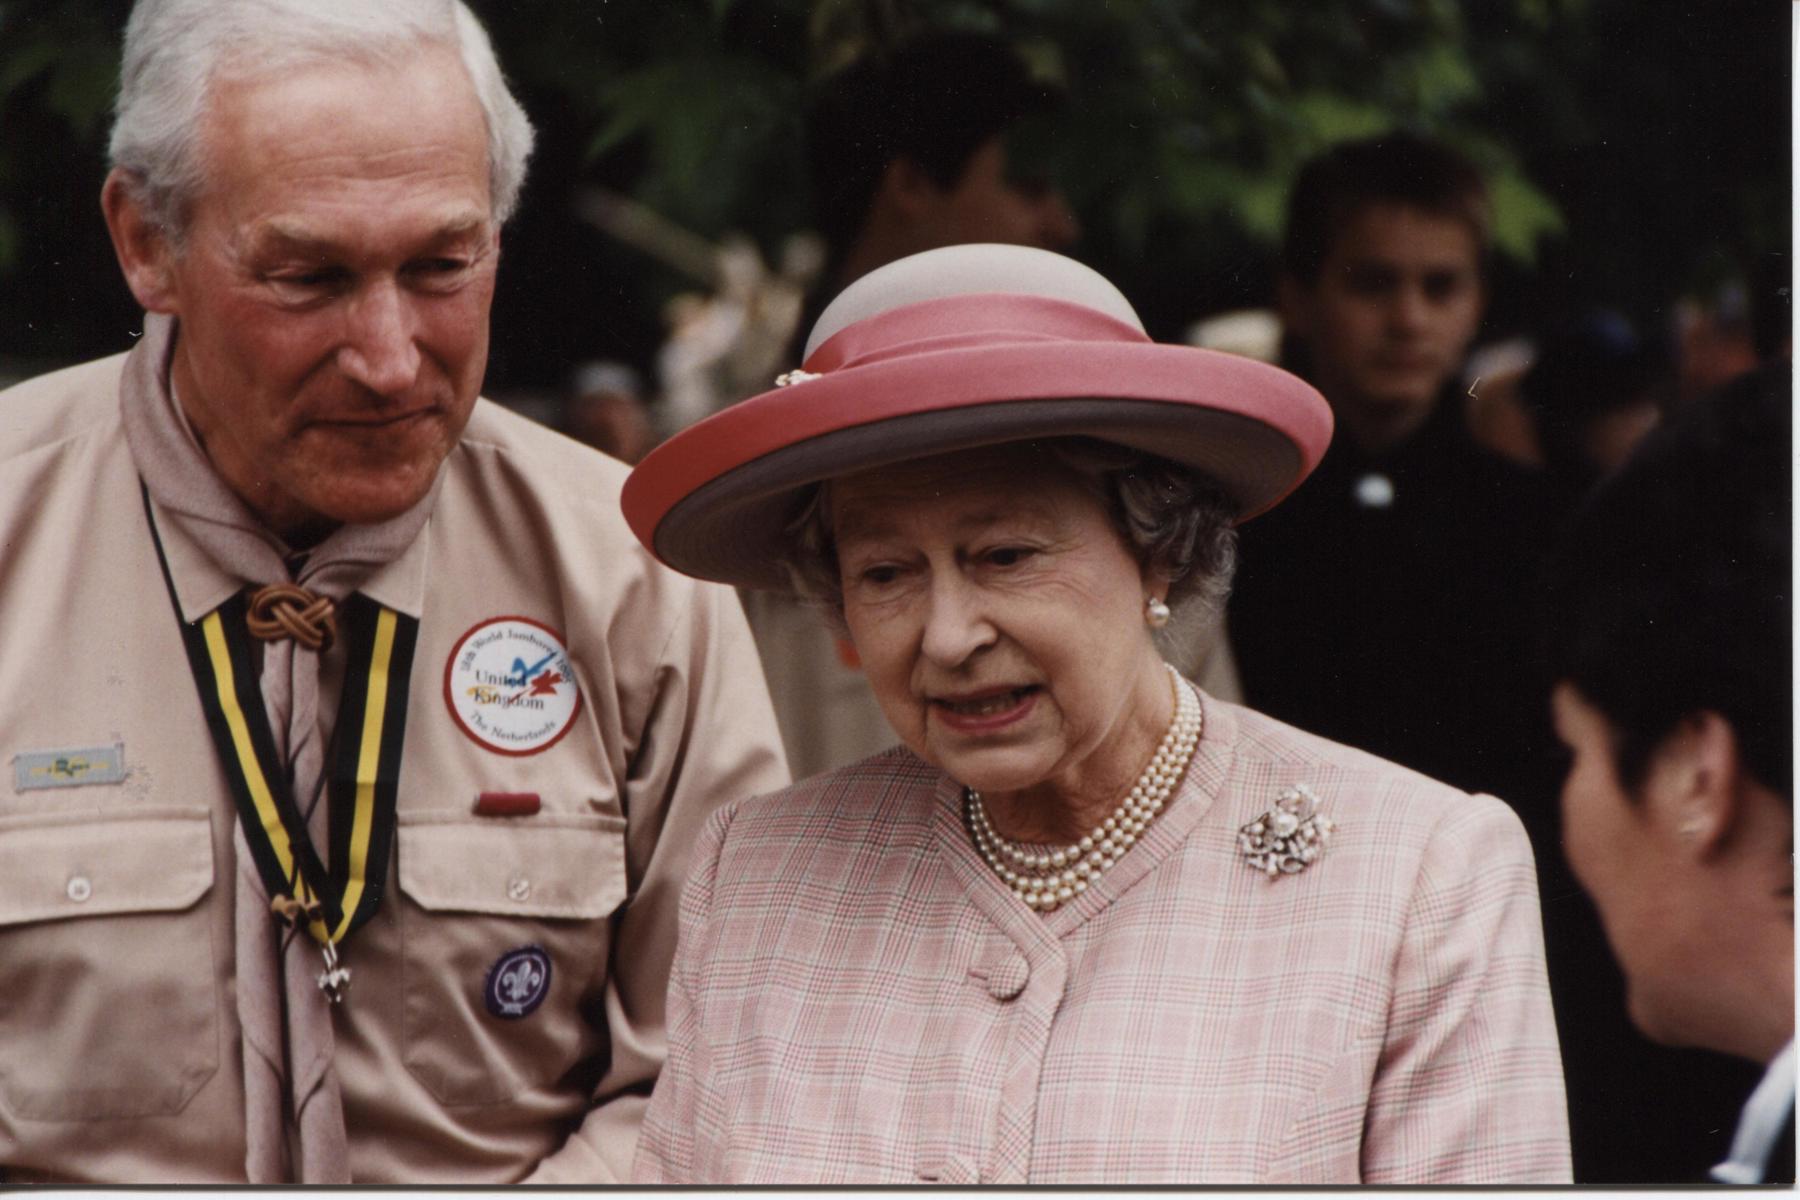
[[511, 687], [518, 982]]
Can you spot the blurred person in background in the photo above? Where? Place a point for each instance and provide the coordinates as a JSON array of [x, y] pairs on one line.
[[1496, 416], [1669, 625], [909, 149], [1389, 602], [605, 409], [1385, 604], [920, 146], [1592, 396]]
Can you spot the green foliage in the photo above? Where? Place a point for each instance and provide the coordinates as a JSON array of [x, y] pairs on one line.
[[58, 68], [1188, 120]]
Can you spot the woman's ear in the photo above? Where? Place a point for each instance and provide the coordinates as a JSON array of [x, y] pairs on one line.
[[142, 246], [1693, 786], [1155, 582]]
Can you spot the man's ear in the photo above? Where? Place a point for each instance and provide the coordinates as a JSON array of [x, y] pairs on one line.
[[1694, 784], [1293, 299], [143, 248], [907, 188]]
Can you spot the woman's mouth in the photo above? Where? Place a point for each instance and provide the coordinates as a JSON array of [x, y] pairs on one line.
[[988, 710]]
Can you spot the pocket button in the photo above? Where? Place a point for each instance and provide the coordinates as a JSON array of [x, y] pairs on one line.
[[519, 888], [80, 888]]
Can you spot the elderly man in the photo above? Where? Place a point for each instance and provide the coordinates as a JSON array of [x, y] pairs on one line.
[[357, 748]]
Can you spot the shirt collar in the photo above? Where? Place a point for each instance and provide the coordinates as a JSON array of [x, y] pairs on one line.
[[1759, 1128]]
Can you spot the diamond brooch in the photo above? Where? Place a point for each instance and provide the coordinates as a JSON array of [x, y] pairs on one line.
[[790, 378], [1286, 839]]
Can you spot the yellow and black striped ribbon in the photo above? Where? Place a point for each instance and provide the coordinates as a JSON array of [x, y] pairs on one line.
[[363, 773]]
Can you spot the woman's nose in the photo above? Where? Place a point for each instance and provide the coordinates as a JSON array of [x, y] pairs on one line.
[[956, 625]]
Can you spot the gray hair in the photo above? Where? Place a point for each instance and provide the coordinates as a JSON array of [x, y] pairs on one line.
[[1174, 519], [176, 49]]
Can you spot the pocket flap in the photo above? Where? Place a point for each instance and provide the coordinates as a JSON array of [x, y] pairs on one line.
[[59, 865], [548, 865]]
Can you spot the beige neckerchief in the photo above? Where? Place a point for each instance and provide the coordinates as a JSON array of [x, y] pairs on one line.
[[216, 547]]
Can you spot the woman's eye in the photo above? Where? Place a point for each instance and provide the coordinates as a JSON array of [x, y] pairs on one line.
[[880, 575]]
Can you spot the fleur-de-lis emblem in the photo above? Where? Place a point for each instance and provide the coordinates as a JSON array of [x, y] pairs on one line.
[[520, 982], [1289, 837]]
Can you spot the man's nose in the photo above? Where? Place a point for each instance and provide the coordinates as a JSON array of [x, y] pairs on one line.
[[1409, 311], [379, 349], [955, 624]]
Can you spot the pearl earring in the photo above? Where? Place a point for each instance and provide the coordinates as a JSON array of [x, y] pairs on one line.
[[1156, 613]]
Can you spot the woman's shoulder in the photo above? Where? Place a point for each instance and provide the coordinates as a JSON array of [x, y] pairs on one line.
[[894, 786], [1269, 753]]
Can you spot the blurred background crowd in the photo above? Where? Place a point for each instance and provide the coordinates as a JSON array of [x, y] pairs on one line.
[[1506, 239]]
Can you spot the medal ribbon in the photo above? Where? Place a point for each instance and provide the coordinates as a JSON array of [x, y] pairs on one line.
[[363, 775]]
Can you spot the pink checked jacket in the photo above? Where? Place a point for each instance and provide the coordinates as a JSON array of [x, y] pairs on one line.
[[856, 999]]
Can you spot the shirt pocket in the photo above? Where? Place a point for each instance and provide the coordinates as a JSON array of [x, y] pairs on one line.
[[504, 947], [110, 1004]]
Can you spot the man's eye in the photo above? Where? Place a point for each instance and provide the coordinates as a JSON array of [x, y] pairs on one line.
[[1442, 287], [1368, 282], [1008, 556], [324, 279], [439, 274]]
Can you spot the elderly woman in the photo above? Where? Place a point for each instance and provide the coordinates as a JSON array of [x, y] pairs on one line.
[[1085, 924]]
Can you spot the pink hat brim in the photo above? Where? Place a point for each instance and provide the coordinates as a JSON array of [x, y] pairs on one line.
[[713, 501]]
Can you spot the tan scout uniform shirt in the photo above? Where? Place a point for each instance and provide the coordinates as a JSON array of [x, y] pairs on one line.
[[119, 1046]]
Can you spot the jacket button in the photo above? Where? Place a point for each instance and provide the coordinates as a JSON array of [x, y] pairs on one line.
[[519, 888], [1009, 977], [79, 888]]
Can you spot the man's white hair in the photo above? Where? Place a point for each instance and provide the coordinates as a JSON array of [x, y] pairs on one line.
[[176, 50]]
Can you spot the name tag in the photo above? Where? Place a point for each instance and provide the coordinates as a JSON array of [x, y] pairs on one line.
[[69, 768]]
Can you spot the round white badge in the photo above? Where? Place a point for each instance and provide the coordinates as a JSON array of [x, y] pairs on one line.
[[510, 686]]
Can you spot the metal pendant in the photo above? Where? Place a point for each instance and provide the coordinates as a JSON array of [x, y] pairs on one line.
[[334, 980]]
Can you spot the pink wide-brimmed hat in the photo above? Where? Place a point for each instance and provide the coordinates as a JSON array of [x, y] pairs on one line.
[[954, 348]]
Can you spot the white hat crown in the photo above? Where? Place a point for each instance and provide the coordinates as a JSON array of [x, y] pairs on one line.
[[970, 269]]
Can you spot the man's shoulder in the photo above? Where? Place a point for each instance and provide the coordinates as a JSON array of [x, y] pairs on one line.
[[493, 424], [64, 404], [534, 455]]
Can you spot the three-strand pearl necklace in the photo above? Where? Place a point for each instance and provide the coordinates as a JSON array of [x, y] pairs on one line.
[[1045, 880]]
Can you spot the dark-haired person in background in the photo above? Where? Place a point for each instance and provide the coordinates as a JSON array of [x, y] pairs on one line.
[[1389, 602], [920, 147], [1386, 604], [1671, 644], [929, 144], [1592, 395]]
